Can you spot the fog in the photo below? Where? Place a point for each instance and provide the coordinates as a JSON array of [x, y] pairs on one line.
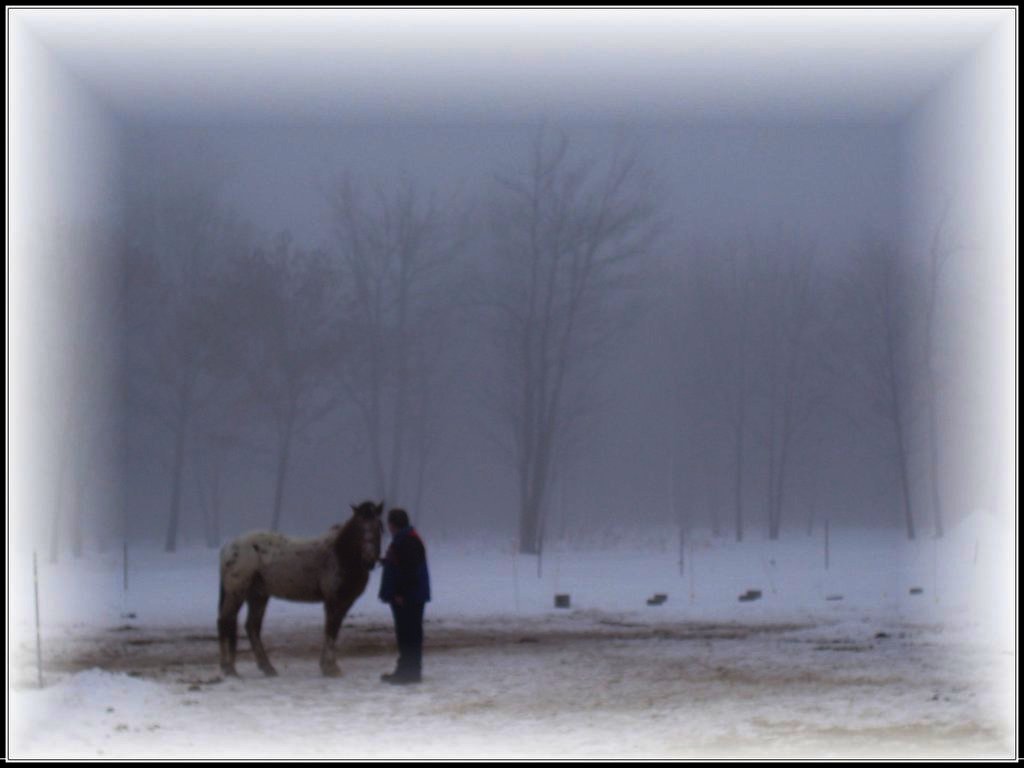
[[685, 337], [519, 273]]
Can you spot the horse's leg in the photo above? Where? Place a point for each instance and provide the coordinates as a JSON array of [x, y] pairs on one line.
[[334, 614], [227, 631], [258, 599]]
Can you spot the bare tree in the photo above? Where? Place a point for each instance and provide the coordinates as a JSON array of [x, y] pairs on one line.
[[789, 325], [430, 379], [937, 258], [749, 362], [880, 296], [288, 299], [395, 253], [220, 432], [179, 241], [567, 239], [714, 356]]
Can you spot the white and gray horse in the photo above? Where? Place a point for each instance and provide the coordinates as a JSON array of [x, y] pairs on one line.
[[332, 569]]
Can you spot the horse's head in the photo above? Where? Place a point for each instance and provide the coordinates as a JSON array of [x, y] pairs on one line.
[[368, 517]]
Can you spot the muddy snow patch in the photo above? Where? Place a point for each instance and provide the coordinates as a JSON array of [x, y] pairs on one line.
[[587, 685]]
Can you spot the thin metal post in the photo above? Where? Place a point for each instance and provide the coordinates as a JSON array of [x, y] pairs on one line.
[[39, 643], [515, 571], [692, 590]]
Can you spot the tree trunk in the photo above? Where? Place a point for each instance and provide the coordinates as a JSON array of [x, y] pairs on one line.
[[401, 395], [813, 511], [740, 428], [677, 511], [58, 501], [682, 546], [535, 486], [76, 522], [531, 521], [421, 480], [529, 526], [738, 479], [933, 421], [422, 436], [208, 491], [683, 522], [904, 477], [935, 267], [374, 435], [282, 474], [213, 528], [715, 500], [772, 457], [177, 470]]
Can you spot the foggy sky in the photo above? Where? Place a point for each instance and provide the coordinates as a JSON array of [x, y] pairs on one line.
[[751, 124]]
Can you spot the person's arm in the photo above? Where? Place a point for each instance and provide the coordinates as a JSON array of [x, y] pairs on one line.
[[388, 578]]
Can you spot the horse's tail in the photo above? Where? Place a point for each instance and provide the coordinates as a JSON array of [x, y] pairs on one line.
[[228, 557], [220, 601]]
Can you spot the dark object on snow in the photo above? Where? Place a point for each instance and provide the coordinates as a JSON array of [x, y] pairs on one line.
[[750, 595], [882, 636], [561, 601], [657, 599], [834, 597], [916, 591]]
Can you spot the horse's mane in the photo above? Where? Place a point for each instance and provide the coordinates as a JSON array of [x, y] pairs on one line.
[[347, 541]]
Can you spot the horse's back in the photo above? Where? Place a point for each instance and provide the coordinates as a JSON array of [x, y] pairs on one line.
[[288, 568]]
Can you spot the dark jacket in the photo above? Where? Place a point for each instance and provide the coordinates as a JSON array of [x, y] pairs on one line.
[[405, 569]]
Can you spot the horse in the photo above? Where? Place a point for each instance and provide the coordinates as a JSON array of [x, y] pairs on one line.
[[332, 569]]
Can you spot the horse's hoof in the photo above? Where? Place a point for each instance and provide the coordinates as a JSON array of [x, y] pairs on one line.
[[331, 671], [229, 671], [269, 671]]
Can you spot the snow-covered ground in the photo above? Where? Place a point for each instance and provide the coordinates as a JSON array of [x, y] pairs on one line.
[[840, 662]]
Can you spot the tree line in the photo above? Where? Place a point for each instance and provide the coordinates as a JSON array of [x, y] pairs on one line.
[[237, 340]]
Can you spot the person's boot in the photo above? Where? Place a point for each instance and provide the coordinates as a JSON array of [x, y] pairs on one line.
[[403, 676]]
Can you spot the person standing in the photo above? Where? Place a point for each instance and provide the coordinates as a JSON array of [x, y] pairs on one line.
[[405, 586]]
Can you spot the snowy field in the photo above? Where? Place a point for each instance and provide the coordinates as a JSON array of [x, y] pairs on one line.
[[843, 662]]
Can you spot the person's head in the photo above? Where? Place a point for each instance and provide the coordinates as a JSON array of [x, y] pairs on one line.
[[397, 520]]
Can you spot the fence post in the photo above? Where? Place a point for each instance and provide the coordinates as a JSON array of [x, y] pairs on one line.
[[39, 643], [692, 591], [515, 571]]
